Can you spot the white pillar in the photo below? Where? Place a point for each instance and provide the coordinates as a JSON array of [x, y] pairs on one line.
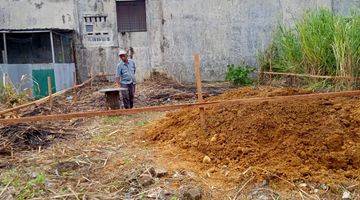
[[4, 79], [52, 47], [5, 58]]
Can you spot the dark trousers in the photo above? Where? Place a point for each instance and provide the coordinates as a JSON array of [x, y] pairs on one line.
[[128, 95]]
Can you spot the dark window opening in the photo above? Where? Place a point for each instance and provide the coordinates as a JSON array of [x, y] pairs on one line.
[[25, 48], [32, 48], [2, 49], [86, 19], [97, 33], [89, 28], [63, 48], [105, 33], [104, 18], [131, 16]]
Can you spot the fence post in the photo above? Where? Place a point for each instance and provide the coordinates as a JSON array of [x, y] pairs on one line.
[[75, 89], [199, 90]]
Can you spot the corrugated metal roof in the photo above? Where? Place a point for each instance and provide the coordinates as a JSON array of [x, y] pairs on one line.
[[32, 30]]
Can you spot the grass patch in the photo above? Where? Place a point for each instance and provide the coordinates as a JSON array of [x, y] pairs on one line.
[[26, 187], [111, 120], [33, 188], [141, 123]]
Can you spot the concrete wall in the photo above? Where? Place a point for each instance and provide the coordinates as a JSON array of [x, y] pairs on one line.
[[35, 14], [222, 31]]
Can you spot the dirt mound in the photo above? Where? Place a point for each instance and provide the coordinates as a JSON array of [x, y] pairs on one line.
[[317, 139], [23, 137]]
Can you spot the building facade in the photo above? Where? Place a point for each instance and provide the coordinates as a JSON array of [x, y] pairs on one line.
[[161, 35]]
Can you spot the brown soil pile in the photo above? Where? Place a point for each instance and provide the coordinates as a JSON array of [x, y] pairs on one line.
[[318, 140]]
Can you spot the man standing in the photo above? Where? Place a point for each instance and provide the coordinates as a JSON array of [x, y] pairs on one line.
[[125, 76]]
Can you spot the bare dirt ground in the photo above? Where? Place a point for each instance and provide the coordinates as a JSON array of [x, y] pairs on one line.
[[307, 150]]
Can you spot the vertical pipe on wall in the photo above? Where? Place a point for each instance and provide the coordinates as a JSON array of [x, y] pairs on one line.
[[52, 47], [5, 59]]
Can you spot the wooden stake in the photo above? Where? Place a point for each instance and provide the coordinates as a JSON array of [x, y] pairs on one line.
[[50, 92], [91, 75], [270, 63], [199, 90], [75, 89]]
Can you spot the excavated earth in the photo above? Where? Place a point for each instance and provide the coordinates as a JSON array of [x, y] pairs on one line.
[[308, 139]]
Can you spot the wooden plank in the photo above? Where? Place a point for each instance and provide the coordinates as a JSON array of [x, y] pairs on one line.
[[175, 107], [197, 66]]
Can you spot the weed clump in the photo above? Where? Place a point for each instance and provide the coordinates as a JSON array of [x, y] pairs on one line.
[[240, 75]]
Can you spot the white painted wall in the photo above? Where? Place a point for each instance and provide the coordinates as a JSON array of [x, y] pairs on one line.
[[37, 14]]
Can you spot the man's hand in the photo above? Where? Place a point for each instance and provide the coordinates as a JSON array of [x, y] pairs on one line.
[[117, 82]]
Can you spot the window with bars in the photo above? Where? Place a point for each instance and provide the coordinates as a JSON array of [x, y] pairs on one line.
[[131, 16]]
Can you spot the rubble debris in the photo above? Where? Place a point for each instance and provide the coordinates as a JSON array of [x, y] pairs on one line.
[[146, 180], [189, 192], [206, 159], [346, 195]]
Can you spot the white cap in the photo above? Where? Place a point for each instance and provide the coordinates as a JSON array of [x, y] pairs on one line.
[[122, 52]]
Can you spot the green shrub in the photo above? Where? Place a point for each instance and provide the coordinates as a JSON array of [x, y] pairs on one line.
[[240, 75], [10, 97]]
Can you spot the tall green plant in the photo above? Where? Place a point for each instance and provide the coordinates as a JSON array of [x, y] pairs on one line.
[[341, 47], [288, 51], [353, 35], [316, 34], [321, 43]]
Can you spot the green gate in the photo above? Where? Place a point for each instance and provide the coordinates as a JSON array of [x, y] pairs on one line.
[[40, 83]]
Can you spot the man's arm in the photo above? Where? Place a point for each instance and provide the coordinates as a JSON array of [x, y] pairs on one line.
[[117, 76]]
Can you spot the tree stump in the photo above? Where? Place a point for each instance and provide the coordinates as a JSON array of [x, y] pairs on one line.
[[112, 96]]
